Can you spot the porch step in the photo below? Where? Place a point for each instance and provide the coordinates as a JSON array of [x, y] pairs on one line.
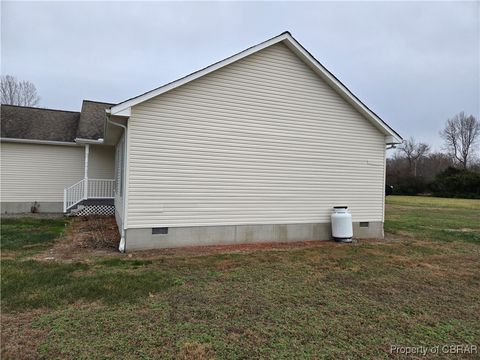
[[93, 207]]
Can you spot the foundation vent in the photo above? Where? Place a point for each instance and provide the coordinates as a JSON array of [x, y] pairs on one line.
[[160, 231]]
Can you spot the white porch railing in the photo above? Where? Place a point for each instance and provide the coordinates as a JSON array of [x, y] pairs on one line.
[[73, 195], [88, 189], [101, 189]]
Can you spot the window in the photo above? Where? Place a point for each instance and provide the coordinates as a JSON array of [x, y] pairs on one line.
[[364, 224]]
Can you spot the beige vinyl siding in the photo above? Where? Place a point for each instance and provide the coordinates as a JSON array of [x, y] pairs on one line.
[[261, 141], [101, 164], [31, 172]]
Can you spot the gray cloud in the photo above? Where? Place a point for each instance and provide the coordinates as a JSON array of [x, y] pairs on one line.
[[414, 63]]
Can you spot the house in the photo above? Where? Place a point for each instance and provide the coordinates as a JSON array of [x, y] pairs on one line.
[[257, 147], [45, 152]]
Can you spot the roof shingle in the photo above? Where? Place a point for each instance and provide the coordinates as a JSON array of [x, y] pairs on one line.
[[20, 122], [92, 119]]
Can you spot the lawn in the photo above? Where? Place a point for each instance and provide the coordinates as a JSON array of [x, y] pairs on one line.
[[420, 287], [30, 234], [430, 218]]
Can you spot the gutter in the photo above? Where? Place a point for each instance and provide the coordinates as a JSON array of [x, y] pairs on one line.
[[41, 142], [121, 246], [89, 141]]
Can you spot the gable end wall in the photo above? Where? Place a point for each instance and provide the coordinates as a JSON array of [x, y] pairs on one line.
[[261, 141]]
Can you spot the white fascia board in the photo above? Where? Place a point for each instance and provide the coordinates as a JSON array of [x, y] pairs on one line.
[[124, 113], [392, 140], [40, 142], [124, 108]]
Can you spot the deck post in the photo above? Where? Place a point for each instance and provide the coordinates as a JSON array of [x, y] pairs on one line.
[[85, 176]]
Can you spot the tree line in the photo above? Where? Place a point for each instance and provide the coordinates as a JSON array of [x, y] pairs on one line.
[[455, 172]]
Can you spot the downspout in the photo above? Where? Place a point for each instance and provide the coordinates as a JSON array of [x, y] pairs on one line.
[[121, 247], [85, 174]]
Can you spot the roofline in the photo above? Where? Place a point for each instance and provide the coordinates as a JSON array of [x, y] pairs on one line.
[[124, 108], [98, 102], [120, 108], [337, 83], [39, 142], [39, 108]]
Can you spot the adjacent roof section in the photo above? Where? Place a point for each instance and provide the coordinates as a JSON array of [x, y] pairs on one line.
[[392, 137], [92, 119], [29, 123]]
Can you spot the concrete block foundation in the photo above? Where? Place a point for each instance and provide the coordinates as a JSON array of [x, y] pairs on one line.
[[26, 207], [142, 239]]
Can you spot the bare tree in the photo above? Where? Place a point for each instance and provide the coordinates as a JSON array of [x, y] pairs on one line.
[[433, 164], [414, 151], [460, 135], [15, 92]]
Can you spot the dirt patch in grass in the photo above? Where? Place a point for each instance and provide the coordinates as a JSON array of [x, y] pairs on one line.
[[95, 233], [243, 248], [195, 350], [21, 340], [85, 237]]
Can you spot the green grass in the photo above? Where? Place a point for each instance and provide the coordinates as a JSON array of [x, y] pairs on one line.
[[434, 218], [434, 202], [332, 302], [32, 284], [29, 233]]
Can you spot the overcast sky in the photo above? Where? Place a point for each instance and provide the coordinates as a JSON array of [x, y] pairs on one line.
[[414, 63]]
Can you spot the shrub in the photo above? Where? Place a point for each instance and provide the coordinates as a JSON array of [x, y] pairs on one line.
[[410, 185], [458, 183]]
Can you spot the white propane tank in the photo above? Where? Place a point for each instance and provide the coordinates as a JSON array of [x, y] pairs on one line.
[[342, 229]]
